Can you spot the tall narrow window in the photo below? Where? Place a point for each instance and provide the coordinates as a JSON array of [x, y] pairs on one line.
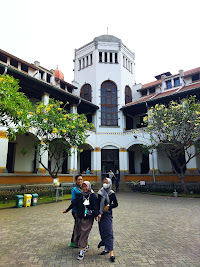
[[123, 61], [86, 92], [110, 57], [87, 61], [100, 56], [128, 95], [106, 59], [116, 59], [79, 64], [83, 63], [109, 105], [91, 59]]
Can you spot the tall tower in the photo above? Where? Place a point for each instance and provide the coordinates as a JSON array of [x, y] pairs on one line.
[[104, 73]]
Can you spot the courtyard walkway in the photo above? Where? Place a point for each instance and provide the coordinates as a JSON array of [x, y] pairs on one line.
[[148, 230]]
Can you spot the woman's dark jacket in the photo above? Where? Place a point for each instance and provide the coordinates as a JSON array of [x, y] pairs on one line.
[[113, 201], [78, 203]]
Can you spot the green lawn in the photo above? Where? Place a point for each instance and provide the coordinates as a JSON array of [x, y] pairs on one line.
[[41, 200]]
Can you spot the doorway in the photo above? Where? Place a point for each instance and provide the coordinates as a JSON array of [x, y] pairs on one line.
[[109, 161]]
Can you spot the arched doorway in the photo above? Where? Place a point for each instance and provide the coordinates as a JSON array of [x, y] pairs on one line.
[[138, 160], [84, 159]]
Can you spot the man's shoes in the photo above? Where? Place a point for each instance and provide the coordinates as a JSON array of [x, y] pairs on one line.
[[72, 245], [104, 252], [112, 258], [81, 255]]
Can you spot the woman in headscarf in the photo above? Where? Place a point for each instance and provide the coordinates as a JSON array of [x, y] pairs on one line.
[[107, 201], [87, 209], [75, 191]]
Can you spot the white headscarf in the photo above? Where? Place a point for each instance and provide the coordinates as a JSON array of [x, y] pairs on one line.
[[104, 193]]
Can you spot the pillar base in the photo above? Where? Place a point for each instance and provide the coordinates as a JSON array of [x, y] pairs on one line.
[[192, 171], [41, 170], [156, 171], [3, 170]]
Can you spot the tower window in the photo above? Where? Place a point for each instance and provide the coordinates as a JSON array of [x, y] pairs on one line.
[[110, 57], [91, 59], [128, 95], [83, 63], [86, 92], [79, 64], [87, 61], [106, 57], [116, 59], [100, 56], [109, 105]]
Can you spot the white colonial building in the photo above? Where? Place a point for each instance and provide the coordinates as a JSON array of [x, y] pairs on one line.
[[104, 89]]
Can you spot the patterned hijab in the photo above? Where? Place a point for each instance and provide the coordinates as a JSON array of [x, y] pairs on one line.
[[90, 191], [104, 193]]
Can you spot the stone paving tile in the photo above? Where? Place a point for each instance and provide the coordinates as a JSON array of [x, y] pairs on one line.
[[148, 231]]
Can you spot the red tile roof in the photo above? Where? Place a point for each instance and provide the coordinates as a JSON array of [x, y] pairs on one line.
[[165, 93], [189, 87], [151, 84], [189, 72]]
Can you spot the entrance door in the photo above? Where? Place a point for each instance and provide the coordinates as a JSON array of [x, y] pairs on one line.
[[109, 161], [145, 164], [11, 157], [85, 160], [131, 162]]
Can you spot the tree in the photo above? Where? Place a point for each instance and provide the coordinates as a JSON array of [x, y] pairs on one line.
[[14, 106], [176, 129], [57, 132]]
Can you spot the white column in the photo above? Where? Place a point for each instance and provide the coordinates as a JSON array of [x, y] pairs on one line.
[[192, 164], [73, 109], [103, 57], [45, 98], [3, 151], [98, 162], [123, 162], [153, 162], [72, 161], [44, 159]]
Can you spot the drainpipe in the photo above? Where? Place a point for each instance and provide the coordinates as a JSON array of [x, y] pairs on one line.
[[5, 71]]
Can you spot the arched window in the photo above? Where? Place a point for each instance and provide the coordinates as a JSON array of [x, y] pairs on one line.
[[86, 92], [128, 95], [109, 106]]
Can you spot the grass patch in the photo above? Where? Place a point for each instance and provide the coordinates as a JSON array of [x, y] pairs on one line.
[[41, 200]]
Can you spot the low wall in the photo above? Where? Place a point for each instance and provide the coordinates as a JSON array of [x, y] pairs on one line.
[[39, 179], [161, 178]]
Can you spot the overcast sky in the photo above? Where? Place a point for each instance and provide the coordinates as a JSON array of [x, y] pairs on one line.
[[165, 35]]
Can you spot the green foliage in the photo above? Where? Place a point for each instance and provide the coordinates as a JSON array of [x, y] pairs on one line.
[[14, 106], [176, 129], [57, 131]]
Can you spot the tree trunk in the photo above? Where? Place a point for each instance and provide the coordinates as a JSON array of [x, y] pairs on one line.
[[181, 177]]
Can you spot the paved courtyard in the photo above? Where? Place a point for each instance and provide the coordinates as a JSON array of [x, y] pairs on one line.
[[148, 230]]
